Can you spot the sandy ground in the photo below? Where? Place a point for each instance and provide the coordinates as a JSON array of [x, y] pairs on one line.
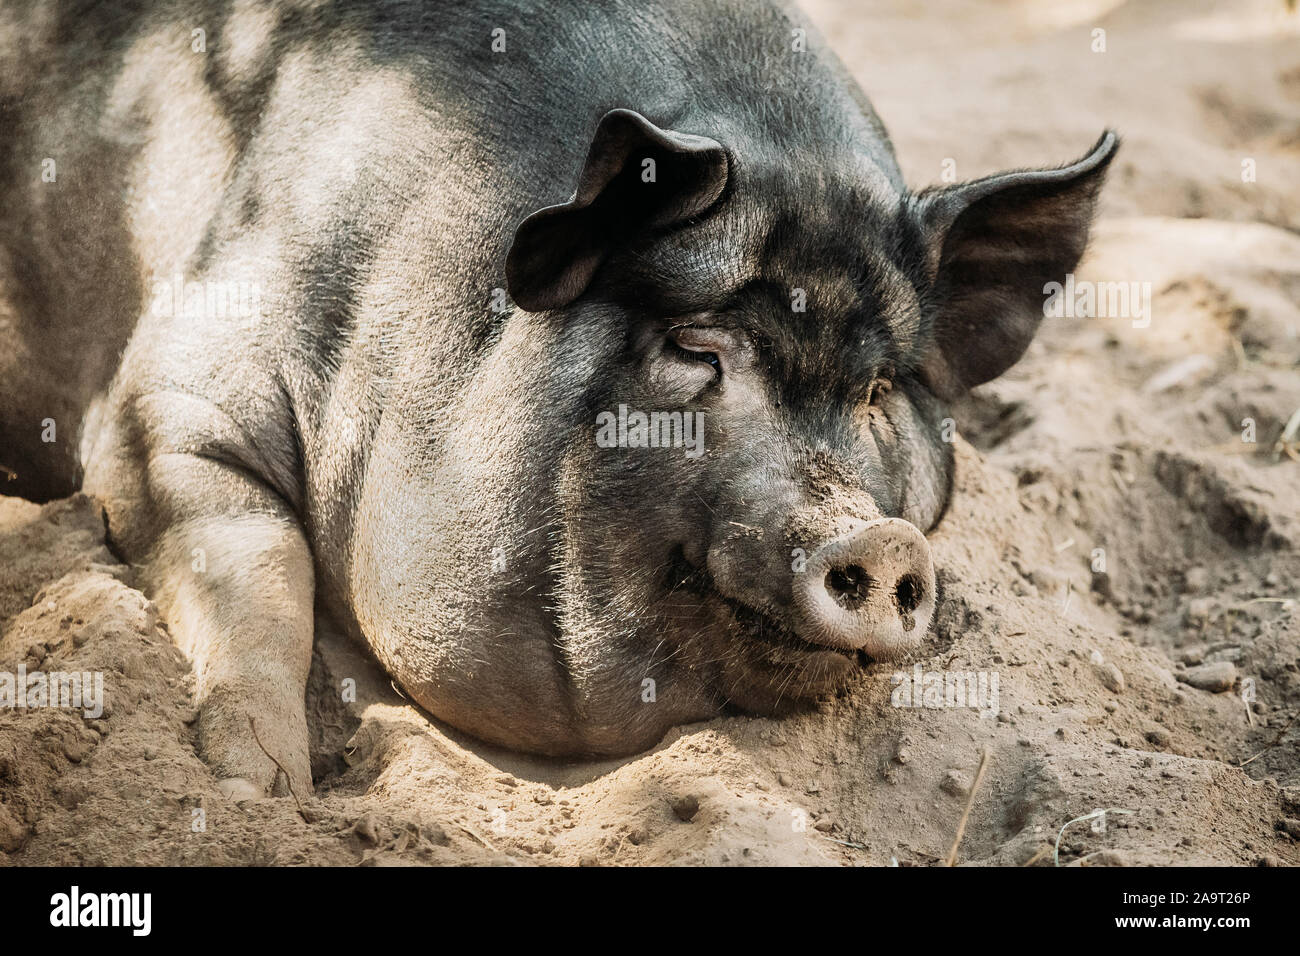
[[1143, 688]]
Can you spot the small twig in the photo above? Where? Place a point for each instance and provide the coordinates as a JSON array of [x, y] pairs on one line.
[[618, 848], [288, 779], [851, 846], [1239, 352], [1042, 852], [1290, 432], [970, 802], [1264, 600], [480, 839], [10, 474], [1276, 740]]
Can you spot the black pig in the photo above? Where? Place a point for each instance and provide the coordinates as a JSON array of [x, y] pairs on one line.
[[588, 361]]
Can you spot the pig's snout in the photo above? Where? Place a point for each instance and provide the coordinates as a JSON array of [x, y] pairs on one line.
[[871, 590]]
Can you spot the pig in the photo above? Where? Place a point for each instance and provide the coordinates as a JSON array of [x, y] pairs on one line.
[[589, 363]]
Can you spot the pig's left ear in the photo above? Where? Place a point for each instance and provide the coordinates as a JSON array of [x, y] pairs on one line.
[[636, 177], [991, 245]]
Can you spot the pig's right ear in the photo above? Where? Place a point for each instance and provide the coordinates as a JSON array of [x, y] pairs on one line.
[[991, 246], [636, 177]]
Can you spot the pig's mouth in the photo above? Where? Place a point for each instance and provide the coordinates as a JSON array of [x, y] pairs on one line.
[[751, 623], [760, 627]]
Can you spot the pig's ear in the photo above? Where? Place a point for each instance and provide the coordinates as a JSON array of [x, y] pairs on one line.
[[557, 250], [991, 246]]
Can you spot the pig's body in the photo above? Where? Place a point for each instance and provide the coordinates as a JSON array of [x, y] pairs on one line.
[[373, 424]]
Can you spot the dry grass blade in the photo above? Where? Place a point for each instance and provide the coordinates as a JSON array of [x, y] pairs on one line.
[[287, 778], [1276, 740], [970, 802], [1290, 437], [1056, 851], [1042, 852]]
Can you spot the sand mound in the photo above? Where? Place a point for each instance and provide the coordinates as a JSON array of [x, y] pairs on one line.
[[1091, 712]]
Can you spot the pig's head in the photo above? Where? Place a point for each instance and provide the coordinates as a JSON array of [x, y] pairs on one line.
[[792, 338]]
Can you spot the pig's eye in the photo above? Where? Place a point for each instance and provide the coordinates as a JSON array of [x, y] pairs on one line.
[[692, 355], [698, 345]]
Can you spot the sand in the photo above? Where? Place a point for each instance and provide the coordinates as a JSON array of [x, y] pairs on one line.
[[1143, 688]]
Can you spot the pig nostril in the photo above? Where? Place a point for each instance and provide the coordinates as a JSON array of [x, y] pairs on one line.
[[848, 586], [908, 593]]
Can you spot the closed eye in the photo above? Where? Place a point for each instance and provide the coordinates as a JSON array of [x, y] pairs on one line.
[[695, 355]]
